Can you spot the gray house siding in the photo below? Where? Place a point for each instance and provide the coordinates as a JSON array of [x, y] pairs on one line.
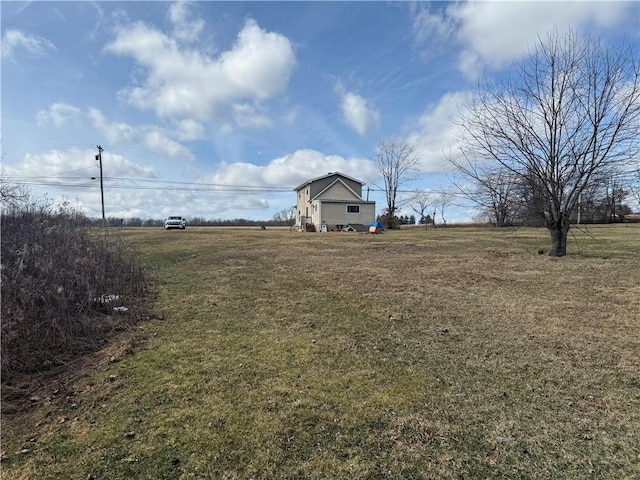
[[332, 200], [336, 213]]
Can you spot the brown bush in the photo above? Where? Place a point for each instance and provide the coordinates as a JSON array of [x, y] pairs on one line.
[[55, 272]]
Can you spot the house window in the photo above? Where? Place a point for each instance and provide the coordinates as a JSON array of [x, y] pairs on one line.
[[353, 208]]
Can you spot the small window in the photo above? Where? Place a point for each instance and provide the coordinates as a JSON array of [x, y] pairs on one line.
[[353, 208]]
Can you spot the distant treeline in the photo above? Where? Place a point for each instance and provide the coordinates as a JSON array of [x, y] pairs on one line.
[[191, 222], [243, 222]]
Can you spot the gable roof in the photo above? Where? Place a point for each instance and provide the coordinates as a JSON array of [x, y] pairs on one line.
[[330, 174], [328, 187]]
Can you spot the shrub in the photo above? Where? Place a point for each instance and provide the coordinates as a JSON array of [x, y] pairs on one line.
[[55, 272]]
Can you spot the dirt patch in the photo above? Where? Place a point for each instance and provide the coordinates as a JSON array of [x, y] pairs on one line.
[[39, 402]]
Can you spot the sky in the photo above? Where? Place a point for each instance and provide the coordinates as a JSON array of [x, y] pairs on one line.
[[220, 109]]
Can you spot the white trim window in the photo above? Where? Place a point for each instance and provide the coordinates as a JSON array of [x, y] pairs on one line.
[[353, 208]]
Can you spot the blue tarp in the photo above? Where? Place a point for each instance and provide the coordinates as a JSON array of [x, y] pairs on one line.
[[377, 225]]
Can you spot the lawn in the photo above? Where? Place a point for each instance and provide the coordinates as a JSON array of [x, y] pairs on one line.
[[439, 354]]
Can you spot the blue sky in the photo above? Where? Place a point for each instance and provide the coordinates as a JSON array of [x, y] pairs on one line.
[[219, 109]]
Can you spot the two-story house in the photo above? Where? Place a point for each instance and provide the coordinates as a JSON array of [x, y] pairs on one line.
[[333, 201]]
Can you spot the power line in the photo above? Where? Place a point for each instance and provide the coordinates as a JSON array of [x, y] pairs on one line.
[[168, 185], [144, 184], [202, 184]]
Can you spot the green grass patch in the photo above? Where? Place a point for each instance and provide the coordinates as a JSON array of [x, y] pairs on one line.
[[445, 353]]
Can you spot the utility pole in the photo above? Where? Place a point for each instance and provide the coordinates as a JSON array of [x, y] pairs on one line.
[[99, 159]]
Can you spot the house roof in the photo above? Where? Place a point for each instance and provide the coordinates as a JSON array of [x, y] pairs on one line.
[[330, 174]]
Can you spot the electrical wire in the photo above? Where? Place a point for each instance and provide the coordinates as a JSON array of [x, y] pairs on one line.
[[168, 185], [143, 184]]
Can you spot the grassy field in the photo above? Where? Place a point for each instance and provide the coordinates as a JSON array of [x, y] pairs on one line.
[[455, 353]]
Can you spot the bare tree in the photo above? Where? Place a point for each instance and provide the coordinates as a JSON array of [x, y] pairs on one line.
[[568, 116], [634, 187], [419, 201], [396, 161], [286, 216], [498, 194], [604, 203], [442, 201], [12, 195]]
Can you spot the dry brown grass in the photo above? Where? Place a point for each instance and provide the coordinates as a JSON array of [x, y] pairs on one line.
[[457, 353]]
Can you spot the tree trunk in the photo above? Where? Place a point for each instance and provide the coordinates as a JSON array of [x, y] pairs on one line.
[[558, 234]]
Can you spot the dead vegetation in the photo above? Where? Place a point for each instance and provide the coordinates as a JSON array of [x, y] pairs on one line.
[[66, 291]]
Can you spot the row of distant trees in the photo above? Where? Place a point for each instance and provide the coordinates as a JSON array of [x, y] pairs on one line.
[[191, 222], [504, 201], [399, 220], [283, 218]]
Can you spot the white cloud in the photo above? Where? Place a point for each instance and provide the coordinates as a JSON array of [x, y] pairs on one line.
[[185, 28], [14, 40], [58, 114], [66, 176], [246, 202], [429, 25], [99, 19], [292, 169], [492, 34], [260, 62], [55, 166], [60, 169], [250, 116], [356, 111], [188, 129], [358, 114], [154, 138], [437, 132], [117, 133], [186, 83]]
